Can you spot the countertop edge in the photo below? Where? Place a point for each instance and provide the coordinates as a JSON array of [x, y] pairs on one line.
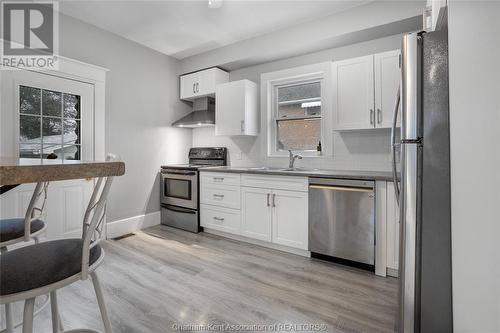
[[322, 173], [22, 174]]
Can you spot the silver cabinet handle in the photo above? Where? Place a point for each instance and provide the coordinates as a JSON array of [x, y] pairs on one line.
[[218, 179], [218, 195], [268, 204], [220, 219], [379, 116], [372, 117], [274, 200], [194, 88]]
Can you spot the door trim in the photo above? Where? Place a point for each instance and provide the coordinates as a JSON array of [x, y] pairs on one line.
[[76, 70]]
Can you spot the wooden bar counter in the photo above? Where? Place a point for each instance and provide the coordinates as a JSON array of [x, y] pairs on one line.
[[21, 171]]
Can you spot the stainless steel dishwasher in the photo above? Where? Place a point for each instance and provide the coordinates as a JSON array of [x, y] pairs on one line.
[[342, 221]]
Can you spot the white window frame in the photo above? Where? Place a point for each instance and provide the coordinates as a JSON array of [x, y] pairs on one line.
[[305, 74]]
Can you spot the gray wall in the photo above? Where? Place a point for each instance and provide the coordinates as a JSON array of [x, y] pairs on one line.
[[474, 51], [362, 150], [142, 100]]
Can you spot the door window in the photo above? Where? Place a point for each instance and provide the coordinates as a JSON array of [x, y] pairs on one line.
[[178, 188], [49, 124]]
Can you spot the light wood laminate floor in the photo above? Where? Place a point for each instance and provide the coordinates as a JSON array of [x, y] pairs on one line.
[[155, 279]]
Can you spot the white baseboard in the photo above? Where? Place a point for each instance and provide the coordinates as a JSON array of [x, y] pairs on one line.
[[132, 224], [278, 247]]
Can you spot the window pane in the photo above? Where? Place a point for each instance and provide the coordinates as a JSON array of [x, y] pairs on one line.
[[52, 103], [300, 134], [29, 100], [30, 150], [70, 152], [299, 100], [71, 106], [30, 129], [71, 133], [52, 135]]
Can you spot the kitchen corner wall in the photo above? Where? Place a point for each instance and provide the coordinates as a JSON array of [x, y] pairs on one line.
[[142, 100], [359, 150]]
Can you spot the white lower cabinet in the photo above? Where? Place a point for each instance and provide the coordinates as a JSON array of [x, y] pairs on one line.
[[271, 209], [276, 216], [220, 218], [289, 218], [256, 213], [387, 230], [392, 218]]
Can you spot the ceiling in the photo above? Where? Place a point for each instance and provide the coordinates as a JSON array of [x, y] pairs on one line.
[[185, 28]]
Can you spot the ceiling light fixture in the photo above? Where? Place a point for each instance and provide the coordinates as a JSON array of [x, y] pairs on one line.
[[214, 4]]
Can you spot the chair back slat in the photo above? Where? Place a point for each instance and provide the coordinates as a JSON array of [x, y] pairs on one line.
[[93, 220], [35, 207]]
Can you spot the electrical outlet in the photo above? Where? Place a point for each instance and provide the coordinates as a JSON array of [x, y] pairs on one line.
[[238, 155]]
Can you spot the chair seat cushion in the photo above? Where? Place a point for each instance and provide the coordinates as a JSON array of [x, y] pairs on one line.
[[42, 264], [14, 228]]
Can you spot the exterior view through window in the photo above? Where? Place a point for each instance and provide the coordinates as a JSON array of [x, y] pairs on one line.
[[298, 116], [49, 124]]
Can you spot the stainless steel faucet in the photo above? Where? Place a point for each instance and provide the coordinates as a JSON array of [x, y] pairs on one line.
[[293, 157]]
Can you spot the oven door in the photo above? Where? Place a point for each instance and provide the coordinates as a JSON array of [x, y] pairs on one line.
[[180, 189]]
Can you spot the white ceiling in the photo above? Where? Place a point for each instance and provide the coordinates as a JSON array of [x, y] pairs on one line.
[[185, 28]]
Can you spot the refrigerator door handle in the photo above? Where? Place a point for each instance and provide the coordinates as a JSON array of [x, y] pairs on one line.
[[394, 145]]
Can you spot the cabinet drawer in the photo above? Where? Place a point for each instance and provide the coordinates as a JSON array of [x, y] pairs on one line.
[[292, 183], [218, 218], [220, 195], [220, 178]]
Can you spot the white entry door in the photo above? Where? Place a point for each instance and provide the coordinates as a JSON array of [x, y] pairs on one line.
[[48, 116]]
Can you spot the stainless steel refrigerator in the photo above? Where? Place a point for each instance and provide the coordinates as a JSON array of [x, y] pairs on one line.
[[424, 196]]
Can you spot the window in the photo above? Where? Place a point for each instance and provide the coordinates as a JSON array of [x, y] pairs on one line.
[[298, 106], [49, 124], [298, 116]]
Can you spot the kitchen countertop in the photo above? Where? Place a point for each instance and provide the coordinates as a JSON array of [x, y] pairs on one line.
[[21, 171], [323, 173]]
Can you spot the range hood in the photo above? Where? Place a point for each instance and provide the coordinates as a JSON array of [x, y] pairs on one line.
[[203, 114]]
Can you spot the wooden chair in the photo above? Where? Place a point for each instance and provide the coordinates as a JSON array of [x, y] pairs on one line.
[[17, 230], [45, 267]]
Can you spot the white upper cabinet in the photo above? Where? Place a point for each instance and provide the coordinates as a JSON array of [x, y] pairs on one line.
[[202, 83], [353, 93], [365, 91], [236, 109], [387, 78]]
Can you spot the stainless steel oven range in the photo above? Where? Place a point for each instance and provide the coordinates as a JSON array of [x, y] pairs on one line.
[[179, 186]]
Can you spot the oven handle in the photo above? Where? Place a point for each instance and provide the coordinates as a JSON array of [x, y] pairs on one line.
[[178, 209], [181, 173]]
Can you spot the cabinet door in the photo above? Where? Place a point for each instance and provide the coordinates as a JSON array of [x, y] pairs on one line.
[[392, 221], [206, 82], [188, 86], [230, 108], [387, 78], [256, 213], [290, 218], [353, 94]]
